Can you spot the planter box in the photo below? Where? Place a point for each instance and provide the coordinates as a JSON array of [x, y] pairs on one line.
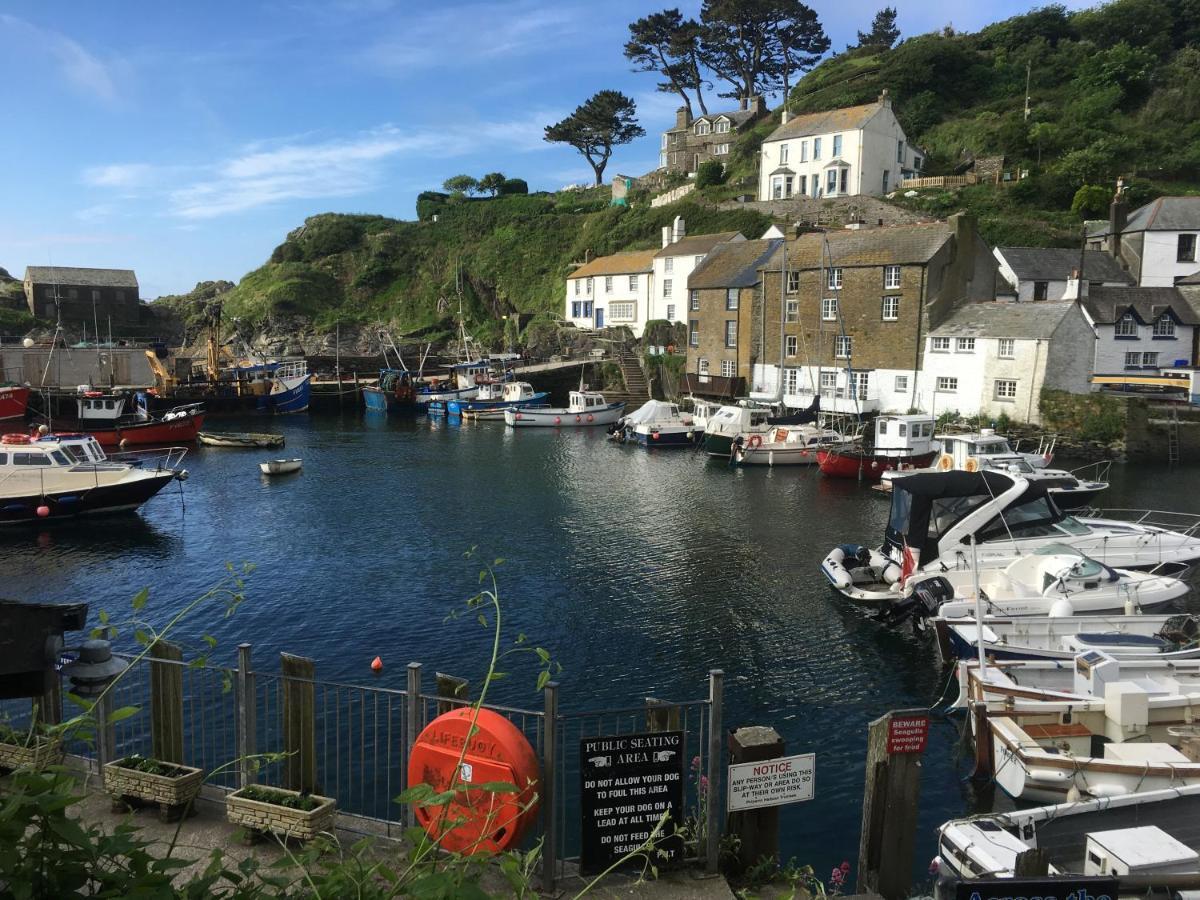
[[301, 824], [41, 752], [166, 790]]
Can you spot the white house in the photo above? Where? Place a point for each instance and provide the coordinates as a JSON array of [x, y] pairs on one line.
[[611, 291], [838, 153], [993, 358], [1140, 329], [673, 264], [1048, 273], [1158, 243]]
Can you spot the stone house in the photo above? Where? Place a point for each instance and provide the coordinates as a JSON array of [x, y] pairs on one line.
[[710, 136], [611, 290], [838, 153], [991, 359], [846, 312], [1157, 244], [1050, 273], [84, 297], [1141, 329], [723, 293], [680, 254]]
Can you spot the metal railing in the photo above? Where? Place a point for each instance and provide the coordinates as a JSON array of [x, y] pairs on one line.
[[1181, 523]]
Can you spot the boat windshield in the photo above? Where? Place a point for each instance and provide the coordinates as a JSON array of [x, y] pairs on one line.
[[1035, 517]]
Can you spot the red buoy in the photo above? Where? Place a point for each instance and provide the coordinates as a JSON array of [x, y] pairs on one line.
[[43, 511], [377, 665]]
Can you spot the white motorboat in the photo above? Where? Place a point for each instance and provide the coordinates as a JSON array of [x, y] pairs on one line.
[[657, 423], [729, 422], [792, 445], [280, 466], [494, 397], [584, 409], [935, 516], [958, 450]]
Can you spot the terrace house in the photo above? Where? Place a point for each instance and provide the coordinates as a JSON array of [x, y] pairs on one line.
[[680, 254], [1158, 244], [1141, 329], [1049, 273], [611, 290]]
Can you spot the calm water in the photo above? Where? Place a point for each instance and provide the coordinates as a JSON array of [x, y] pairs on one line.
[[639, 571]]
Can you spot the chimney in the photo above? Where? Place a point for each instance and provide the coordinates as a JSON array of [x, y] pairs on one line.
[[758, 104], [683, 117], [885, 98], [679, 229], [783, 117], [1077, 289], [745, 102], [1118, 215], [666, 236]]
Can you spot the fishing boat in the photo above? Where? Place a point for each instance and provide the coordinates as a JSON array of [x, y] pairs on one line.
[[495, 397], [729, 423], [14, 400], [935, 516], [958, 450], [280, 466], [394, 393], [901, 443], [122, 419], [239, 440], [795, 445], [657, 423], [63, 476], [291, 387], [584, 409]]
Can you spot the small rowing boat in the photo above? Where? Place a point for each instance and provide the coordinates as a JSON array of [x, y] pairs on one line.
[[280, 466], [243, 440]]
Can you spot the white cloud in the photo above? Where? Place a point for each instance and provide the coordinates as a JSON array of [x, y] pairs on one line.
[[125, 175], [85, 71]]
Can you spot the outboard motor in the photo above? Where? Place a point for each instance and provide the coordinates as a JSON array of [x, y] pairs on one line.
[[924, 601]]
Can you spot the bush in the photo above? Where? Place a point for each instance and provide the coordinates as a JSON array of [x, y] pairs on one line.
[[1091, 201], [710, 172], [430, 203], [514, 186]]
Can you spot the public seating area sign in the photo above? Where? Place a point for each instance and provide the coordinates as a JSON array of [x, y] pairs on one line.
[[628, 782], [907, 734], [772, 782]]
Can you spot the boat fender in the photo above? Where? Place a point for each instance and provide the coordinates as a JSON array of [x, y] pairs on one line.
[[14, 508], [755, 441], [891, 573], [43, 511], [517, 417], [557, 420], [1062, 607], [577, 419], [590, 417], [1107, 790], [1049, 776], [654, 435], [945, 463]]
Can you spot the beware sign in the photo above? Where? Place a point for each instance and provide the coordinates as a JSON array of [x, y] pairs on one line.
[[907, 734], [772, 782]]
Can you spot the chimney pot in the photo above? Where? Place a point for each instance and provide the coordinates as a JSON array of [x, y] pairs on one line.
[[666, 235], [680, 230], [885, 98], [783, 118]]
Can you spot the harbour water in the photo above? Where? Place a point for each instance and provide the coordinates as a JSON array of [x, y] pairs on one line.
[[638, 571]]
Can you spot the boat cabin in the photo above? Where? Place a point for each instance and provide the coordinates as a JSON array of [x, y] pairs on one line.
[[586, 400], [909, 435], [514, 391], [20, 450], [469, 374], [97, 406], [960, 449], [734, 420]]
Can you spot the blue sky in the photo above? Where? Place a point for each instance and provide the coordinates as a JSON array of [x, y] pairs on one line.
[[185, 140]]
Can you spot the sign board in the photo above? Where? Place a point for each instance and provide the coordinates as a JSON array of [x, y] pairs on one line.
[[628, 782], [907, 734], [772, 782], [1066, 887]]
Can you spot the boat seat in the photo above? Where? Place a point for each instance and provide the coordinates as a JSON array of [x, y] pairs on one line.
[[1139, 641]]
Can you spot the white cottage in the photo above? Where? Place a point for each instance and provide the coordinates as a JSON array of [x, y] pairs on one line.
[[1159, 243], [673, 264], [611, 291], [1141, 330], [993, 358], [838, 153], [1050, 273]]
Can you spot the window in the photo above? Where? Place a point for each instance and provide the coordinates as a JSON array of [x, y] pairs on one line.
[[831, 181], [666, 287], [589, 287], [829, 310], [802, 185], [860, 383], [793, 311], [791, 381], [702, 368], [720, 149], [1126, 327], [696, 260], [1040, 290], [1164, 327], [1150, 360], [664, 142], [793, 282], [669, 265], [1006, 389], [728, 368], [845, 185], [1008, 347], [828, 381], [899, 151], [702, 127], [693, 333], [791, 344], [783, 153], [837, 145], [587, 309], [633, 282], [946, 384], [842, 346], [695, 300], [816, 148], [731, 332], [576, 287], [96, 296], [804, 151], [901, 384], [833, 279], [965, 345], [608, 279], [621, 310], [670, 312], [891, 309], [1187, 248], [722, 126], [731, 298], [1133, 359], [939, 344], [576, 310], [891, 277]]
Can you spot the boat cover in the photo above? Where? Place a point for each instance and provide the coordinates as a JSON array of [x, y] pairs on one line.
[[801, 418], [650, 411]]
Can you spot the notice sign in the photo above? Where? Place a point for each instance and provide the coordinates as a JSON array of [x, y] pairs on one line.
[[907, 734], [629, 782], [772, 782], [1065, 887]]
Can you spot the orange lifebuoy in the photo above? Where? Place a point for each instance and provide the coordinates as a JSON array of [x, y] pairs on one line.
[[945, 463], [15, 439], [972, 464], [755, 441]]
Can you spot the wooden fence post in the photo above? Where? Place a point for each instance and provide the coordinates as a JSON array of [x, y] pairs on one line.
[[166, 701], [453, 689], [758, 829], [299, 723], [661, 715]]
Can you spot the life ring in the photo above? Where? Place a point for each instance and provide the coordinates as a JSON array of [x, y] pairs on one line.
[[93, 394], [945, 463], [15, 439], [972, 464], [755, 441]]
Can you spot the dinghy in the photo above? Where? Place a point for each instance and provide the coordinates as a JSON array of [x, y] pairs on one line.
[[280, 466], [242, 440]]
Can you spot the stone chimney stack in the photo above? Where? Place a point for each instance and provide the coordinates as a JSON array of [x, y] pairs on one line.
[[1077, 288], [683, 117], [758, 104], [679, 228], [1118, 215], [744, 102], [885, 99], [666, 236], [783, 117]]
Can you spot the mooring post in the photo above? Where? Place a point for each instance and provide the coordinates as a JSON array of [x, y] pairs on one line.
[[299, 722], [413, 726], [452, 692], [712, 809], [166, 701], [246, 717], [757, 829], [549, 796], [985, 764]]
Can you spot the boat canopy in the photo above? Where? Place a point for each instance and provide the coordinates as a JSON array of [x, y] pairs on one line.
[[653, 411], [803, 417]]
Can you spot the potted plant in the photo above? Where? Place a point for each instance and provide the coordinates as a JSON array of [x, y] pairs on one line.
[[28, 748], [287, 813], [171, 785]]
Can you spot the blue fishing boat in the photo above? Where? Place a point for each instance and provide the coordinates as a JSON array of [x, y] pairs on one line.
[[495, 397], [280, 386], [462, 384], [395, 393]]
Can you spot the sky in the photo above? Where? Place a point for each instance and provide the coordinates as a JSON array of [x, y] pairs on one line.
[[185, 141]]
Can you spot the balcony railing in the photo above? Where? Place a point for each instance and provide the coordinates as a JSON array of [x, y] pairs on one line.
[[713, 385]]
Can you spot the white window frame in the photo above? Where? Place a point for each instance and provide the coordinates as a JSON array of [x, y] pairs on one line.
[[939, 345], [964, 345], [860, 385], [833, 278], [890, 309], [667, 287], [728, 368], [791, 345], [731, 334], [670, 312], [1164, 327], [1004, 389], [901, 384], [668, 265], [837, 146], [694, 300], [577, 286], [608, 284], [816, 149], [622, 310], [891, 277], [703, 127], [804, 151], [1150, 359], [1007, 348], [792, 311], [693, 332], [633, 282], [731, 299], [1133, 359], [1126, 326], [793, 281], [946, 384], [720, 149], [827, 381], [843, 346], [791, 381], [722, 126], [783, 154], [829, 309]]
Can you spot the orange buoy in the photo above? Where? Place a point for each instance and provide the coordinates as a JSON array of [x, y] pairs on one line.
[[377, 665], [476, 821]]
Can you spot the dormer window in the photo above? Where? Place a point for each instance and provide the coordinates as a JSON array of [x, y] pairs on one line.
[[722, 126], [703, 127], [1126, 327], [1164, 327]]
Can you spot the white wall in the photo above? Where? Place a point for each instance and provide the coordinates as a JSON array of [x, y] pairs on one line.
[[1159, 268], [681, 268], [1110, 352], [602, 300], [881, 395]]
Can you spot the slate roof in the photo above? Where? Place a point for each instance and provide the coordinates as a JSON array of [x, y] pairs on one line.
[[695, 244], [733, 265], [67, 275], [628, 263], [1194, 278], [1166, 214], [1029, 321], [1107, 304], [1057, 263], [893, 245], [736, 117], [848, 118]]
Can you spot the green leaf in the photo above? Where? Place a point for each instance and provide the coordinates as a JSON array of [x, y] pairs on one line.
[[103, 616], [118, 715], [140, 598], [482, 619], [543, 653], [542, 679], [496, 676], [141, 637], [499, 561], [497, 787], [209, 639], [416, 794]]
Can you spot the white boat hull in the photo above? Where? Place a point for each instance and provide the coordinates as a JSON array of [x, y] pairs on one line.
[[280, 466], [551, 417]]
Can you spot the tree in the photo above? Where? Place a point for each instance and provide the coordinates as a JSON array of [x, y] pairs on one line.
[[461, 184], [1091, 200], [514, 186], [603, 121], [668, 44], [883, 33], [754, 44], [711, 171], [801, 41], [492, 182]]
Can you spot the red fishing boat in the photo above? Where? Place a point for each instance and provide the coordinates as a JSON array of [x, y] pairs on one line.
[[901, 442], [14, 399], [104, 416]]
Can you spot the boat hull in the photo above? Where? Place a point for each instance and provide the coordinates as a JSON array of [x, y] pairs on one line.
[[669, 436], [474, 407], [777, 456], [288, 395], [377, 400], [243, 441], [125, 496], [549, 417], [14, 401], [868, 466], [173, 431]]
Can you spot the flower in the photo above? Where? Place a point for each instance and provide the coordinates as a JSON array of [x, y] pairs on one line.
[[696, 762], [703, 784]]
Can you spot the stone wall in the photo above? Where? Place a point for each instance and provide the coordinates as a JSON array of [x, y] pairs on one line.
[[831, 211]]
